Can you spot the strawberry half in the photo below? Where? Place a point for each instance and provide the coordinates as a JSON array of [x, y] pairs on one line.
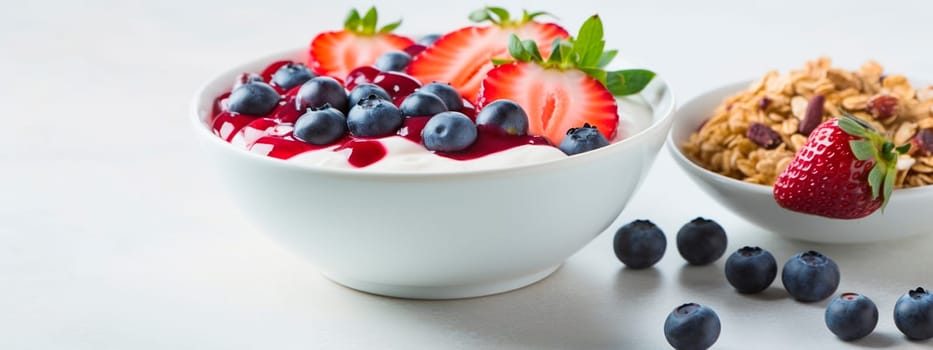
[[360, 43], [464, 56], [846, 170], [567, 90]]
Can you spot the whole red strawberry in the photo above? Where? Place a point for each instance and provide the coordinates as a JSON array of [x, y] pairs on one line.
[[846, 170]]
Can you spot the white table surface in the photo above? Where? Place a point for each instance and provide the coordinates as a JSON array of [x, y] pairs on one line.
[[114, 235]]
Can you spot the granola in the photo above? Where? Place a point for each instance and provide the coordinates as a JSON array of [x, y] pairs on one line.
[[733, 143]]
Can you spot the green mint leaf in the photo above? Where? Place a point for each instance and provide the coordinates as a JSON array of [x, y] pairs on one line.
[[628, 81], [606, 58], [596, 73], [388, 28], [876, 179], [852, 127], [501, 13], [517, 50], [480, 16], [862, 149], [501, 61], [531, 47], [352, 23], [370, 20], [589, 44]]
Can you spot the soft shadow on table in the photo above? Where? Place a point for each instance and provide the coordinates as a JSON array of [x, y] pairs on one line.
[[703, 277], [877, 340], [551, 314]]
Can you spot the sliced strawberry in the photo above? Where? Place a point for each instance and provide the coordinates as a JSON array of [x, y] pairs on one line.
[[554, 100], [464, 56], [360, 43]]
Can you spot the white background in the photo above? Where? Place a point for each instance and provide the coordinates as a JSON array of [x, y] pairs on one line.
[[115, 235]]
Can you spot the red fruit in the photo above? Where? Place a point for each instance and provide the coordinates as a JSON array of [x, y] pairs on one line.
[[555, 100], [844, 171], [463, 57], [360, 43]]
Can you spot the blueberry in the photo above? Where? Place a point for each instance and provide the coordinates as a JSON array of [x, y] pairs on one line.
[[374, 117], [447, 93], [692, 326], [913, 314], [701, 241], [253, 99], [505, 115], [583, 139], [291, 75], [393, 61], [317, 92], [429, 39], [246, 78], [810, 276], [851, 316], [365, 90], [448, 132], [639, 244], [751, 269], [320, 126], [422, 104]]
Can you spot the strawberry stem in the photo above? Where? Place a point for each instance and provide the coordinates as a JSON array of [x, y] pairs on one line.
[[367, 24], [869, 145]]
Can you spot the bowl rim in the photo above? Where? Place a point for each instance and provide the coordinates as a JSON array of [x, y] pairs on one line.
[[685, 161], [203, 130]]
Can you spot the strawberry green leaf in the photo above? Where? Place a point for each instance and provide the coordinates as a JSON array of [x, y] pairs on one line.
[[480, 16], [529, 16], [628, 81], [862, 149], [556, 54], [501, 61], [531, 47], [588, 45], [499, 12], [889, 178], [370, 20], [854, 126], [596, 73], [887, 150], [517, 50], [606, 58], [903, 148], [352, 23], [876, 180], [388, 28]]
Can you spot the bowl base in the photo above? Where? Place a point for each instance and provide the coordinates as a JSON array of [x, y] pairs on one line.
[[442, 292]]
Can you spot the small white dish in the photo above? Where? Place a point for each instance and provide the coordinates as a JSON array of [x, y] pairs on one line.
[[435, 235], [907, 213]]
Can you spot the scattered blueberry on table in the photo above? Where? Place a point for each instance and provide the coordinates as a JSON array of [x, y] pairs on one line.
[[701, 241], [692, 326], [810, 276], [639, 244], [851, 316]]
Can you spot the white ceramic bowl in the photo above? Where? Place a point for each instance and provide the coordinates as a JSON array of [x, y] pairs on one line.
[[907, 213], [434, 235]]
